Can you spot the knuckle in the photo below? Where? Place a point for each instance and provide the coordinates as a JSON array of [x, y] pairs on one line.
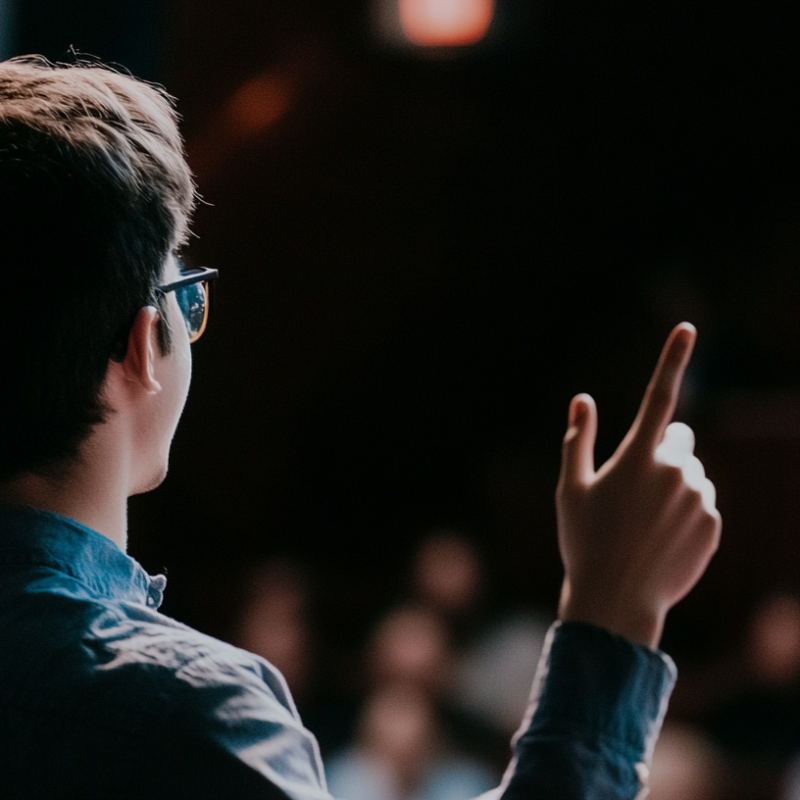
[[694, 499], [711, 529], [694, 466], [672, 477], [710, 520], [714, 520]]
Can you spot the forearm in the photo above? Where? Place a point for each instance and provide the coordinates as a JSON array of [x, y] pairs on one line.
[[596, 709]]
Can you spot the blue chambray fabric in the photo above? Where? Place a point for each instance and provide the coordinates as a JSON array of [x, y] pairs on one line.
[[103, 696], [596, 710]]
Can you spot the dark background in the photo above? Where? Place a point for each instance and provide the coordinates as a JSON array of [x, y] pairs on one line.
[[424, 257]]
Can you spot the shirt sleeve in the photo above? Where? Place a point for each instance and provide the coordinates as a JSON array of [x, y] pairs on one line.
[[596, 709], [232, 731]]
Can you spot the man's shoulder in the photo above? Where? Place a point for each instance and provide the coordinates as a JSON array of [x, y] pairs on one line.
[[63, 646], [182, 660], [118, 692]]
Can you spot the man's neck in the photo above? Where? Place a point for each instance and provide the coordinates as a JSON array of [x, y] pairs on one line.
[[77, 494]]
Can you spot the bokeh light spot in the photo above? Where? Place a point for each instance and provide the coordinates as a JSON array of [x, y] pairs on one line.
[[259, 103], [445, 23]]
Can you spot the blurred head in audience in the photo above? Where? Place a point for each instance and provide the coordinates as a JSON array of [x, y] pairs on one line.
[[274, 620], [773, 642], [398, 727], [447, 573], [410, 648]]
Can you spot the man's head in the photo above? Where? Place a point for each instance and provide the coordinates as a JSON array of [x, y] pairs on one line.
[[95, 196]]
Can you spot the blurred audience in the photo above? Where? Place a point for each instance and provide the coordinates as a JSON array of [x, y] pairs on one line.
[[445, 679], [497, 652], [400, 753], [756, 722], [447, 576], [686, 766], [401, 750], [495, 674], [274, 621], [411, 648]]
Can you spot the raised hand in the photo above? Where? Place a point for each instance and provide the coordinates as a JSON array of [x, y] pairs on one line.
[[637, 534]]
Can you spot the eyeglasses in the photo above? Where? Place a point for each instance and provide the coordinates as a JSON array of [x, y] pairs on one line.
[[191, 292]]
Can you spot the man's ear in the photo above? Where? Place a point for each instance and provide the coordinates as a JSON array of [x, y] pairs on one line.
[[138, 365]]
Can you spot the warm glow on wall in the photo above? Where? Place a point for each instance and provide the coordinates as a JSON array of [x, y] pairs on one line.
[[259, 103], [445, 23]]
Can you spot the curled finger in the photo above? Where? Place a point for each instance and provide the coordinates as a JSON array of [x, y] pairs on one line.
[[709, 494], [676, 446], [693, 473]]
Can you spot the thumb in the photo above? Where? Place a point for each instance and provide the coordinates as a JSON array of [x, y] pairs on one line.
[[577, 455]]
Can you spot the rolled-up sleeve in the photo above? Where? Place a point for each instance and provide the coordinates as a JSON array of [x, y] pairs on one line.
[[596, 709]]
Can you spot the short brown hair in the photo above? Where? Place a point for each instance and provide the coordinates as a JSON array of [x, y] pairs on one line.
[[94, 195]]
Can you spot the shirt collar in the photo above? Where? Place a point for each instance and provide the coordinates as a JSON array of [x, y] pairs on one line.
[[35, 537]]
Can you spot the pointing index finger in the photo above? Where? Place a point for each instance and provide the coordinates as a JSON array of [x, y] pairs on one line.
[[658, 405]]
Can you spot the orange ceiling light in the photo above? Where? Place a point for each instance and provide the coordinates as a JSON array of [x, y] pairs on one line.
[[445, 23]]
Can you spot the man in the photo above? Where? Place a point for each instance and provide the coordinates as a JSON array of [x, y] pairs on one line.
[[103, 696]]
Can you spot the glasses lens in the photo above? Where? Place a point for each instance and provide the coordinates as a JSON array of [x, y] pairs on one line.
[[193, 302]]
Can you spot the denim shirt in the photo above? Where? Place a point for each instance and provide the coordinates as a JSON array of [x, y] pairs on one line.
[[103, 696]]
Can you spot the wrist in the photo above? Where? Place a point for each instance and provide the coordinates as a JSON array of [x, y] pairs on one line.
[[616, 612]]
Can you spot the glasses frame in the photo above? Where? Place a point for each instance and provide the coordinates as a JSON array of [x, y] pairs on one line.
[[189, 277]]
